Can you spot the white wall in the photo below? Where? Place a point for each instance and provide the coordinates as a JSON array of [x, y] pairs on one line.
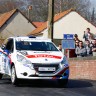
[[45, 33], [16, 26], [72, 23]]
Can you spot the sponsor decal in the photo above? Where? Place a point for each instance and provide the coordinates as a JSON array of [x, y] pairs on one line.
[[43, 55], [46, 59]]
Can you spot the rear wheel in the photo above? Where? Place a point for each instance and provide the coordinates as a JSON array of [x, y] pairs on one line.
[[14, 78], [62, 82], [1, 75]]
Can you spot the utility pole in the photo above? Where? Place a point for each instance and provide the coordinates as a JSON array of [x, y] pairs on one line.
[[60, 6], [51, 19], [93, 13], [29, 9]]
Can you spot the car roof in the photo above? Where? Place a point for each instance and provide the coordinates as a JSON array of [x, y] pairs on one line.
[[30, 38]]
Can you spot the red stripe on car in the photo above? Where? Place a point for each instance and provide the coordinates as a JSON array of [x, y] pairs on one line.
[[43, 55]]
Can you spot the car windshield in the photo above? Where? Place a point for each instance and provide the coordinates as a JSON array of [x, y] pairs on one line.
[[35, 46]]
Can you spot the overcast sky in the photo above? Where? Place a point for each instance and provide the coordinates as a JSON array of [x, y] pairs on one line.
[[93, 3]]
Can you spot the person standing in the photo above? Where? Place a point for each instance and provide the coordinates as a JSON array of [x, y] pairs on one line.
[[94, 48], [88, 35], [88, 48], [76, 38], [60, 47], [76, 48], [81, 50]]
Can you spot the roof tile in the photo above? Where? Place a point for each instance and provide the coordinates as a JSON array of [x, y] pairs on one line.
[[38, 24], [4, 17]]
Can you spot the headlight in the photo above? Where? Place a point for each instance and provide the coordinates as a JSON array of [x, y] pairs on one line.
[[24, 61], [64, 61]]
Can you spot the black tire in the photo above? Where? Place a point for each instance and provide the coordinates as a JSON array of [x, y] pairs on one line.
[[1, 75], [63, 82], [14, 79]]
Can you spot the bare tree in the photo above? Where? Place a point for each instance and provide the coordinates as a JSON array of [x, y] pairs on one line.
[[93, 15], [7, 5], [79, 5], [40, 7]]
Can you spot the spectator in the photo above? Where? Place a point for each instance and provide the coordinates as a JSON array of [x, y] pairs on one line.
[[80, 51], [94, 48], [88, 48], [95, 36], [76, 43], [76, 38], [76, 48], [88, 35], [60, 47]]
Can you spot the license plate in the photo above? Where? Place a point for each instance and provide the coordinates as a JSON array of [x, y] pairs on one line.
[[46, 69]]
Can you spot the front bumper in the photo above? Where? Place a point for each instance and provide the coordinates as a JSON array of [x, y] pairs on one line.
[[24, 72]]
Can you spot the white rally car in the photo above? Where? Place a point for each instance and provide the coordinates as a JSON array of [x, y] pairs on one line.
[[32, 58]]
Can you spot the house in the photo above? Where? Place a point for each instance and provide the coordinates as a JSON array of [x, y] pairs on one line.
[[67, 22], [14, 23]]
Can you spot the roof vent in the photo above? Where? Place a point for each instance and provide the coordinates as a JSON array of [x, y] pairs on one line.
[[31, 36]]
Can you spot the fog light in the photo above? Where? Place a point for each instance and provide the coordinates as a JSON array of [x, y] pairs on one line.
[[25, 74]]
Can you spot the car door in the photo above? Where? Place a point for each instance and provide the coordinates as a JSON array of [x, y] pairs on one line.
[[4, 61], [1, 62], [5, 66], [9, 46]]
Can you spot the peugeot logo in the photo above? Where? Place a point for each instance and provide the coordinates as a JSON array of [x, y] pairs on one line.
[[46, 59]]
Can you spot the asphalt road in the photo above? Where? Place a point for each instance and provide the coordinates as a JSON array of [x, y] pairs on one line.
[[48, 88]]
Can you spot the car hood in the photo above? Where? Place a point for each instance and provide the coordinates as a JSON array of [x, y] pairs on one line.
[[43, 57]]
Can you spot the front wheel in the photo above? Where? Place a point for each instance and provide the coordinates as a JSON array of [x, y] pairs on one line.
[[1, 75], [14, 78]]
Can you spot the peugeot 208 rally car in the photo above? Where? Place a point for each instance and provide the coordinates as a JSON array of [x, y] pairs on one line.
[[32, 58]]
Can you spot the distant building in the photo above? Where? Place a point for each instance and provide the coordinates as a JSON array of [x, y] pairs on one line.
[[67, 22], [14, 23]]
